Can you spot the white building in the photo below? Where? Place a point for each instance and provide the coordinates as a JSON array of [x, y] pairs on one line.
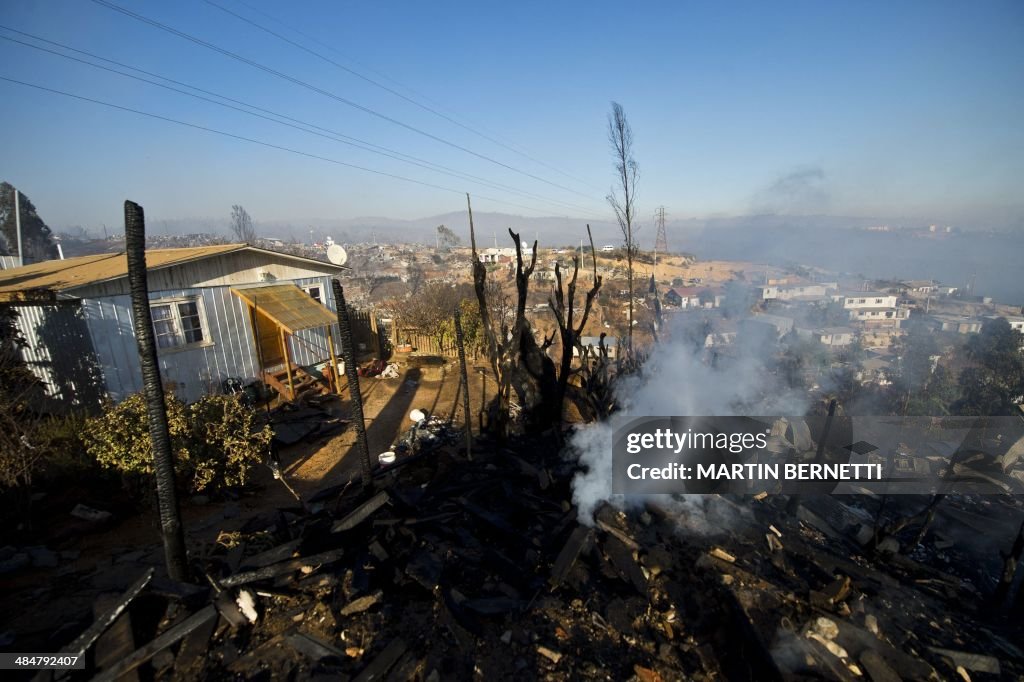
[[790, 292], [498, 255], [874, 308]]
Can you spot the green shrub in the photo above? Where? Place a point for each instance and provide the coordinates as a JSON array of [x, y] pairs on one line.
[[214, 441]]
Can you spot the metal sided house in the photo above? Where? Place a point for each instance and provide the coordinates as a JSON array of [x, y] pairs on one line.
[[219, 312]]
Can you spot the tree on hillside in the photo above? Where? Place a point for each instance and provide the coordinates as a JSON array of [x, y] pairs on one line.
[[36, 237], [623, 196], [447, 238], [994, 382], [241, 225]]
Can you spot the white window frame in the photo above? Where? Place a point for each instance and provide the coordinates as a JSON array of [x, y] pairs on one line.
[[320, 288], [173, 303]]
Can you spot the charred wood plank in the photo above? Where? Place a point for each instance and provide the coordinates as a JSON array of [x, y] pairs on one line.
[[362, 603], [272, 555], [117, 642], [170, 637], [425, 568], [92, 633], [361, 513], [379, 667], [622, 558], [275, 570], [194, 648], [580, 539], [312, 647]]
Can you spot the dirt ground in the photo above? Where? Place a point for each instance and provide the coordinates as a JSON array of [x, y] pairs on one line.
[[309, 467], [44, 605]]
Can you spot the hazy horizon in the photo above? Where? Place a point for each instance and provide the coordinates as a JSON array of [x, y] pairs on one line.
[[866, 109]]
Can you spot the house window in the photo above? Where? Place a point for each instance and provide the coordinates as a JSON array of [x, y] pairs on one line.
[[178, 324], [314, 293]]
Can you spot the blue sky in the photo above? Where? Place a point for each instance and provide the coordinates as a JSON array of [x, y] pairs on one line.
[[909, 109]]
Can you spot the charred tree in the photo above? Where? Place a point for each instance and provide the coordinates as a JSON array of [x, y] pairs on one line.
[[563, 304], [518, 361], [152, 385]]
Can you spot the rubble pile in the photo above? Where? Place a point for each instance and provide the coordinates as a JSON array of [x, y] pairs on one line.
[[451, 568]]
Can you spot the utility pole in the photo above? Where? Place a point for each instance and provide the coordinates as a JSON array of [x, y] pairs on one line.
[[17, 228], [661, 241]]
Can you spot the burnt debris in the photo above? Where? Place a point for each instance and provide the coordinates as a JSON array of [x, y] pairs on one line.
[[451, 568]]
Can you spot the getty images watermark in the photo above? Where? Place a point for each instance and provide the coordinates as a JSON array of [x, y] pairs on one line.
[[813, 455]]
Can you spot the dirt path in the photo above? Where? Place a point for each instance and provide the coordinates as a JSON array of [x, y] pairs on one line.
[[309, 467]]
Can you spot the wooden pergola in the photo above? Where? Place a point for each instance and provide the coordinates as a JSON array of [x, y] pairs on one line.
[[276, 312]]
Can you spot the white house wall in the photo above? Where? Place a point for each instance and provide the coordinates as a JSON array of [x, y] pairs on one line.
[[196, 371]]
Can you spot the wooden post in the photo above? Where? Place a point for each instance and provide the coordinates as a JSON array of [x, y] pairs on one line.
[[352, 377], [287, 363], [465, 383], [335, 384], [376, 334]]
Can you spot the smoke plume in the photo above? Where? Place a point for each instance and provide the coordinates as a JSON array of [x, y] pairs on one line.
[[681, 378]]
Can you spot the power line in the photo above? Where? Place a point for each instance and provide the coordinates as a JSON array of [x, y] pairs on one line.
[[366, 78], [326, 93], [261, 143], [302, 125]]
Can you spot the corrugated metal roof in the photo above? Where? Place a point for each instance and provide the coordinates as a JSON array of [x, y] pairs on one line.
[[62, 275], [42, 280], [287, 305]]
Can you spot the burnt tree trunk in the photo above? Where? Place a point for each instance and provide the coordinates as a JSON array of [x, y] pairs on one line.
[[519, 363], [352, 377], [563, 305], [156, 409]]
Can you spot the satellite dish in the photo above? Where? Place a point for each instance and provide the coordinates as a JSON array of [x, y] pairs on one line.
[[336, 254]]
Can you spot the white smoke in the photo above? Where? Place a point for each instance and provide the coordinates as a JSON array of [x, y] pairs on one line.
[[679, 380]]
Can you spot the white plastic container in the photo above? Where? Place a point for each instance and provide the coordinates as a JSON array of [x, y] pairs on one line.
[[386, 458]]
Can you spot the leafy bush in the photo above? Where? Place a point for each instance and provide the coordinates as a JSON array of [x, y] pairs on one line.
[[214, 442]]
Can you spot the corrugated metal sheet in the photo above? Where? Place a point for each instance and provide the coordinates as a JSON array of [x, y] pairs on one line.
[[59, 351], [106, 274], [288, 305]]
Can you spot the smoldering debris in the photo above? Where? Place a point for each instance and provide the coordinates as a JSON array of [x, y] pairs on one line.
[[462, 569]]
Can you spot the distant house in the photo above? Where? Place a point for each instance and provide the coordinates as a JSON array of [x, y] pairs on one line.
[[219, 312], [682, 297], [834, 336], [919, 287], [956, 323], [1016, 321], [505, 254], [876, 370], [776, 326], [873, 309], [608, 248], [592, 346], [794, 292]]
